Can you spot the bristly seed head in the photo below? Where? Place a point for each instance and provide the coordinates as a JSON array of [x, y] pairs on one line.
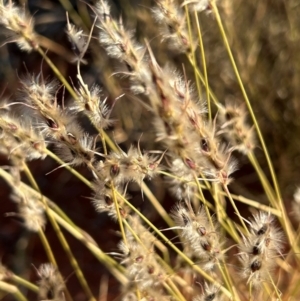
[[19, 26], [259, 248], [51, 284]]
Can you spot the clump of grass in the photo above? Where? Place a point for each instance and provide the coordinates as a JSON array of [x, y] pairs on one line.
[[185, 139]]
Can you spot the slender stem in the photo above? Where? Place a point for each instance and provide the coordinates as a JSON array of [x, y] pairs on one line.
[[172, 292], [67, 5], [18, 280], [176, 290], [109, 262], [117, 208], [47, 247], [235, 208], [192, 52], [227, 280], [250, 291], [69, 168], [226, 223], [264, 181], [11, 289], [275, 287], [159, 208], [204, 66], [102, 133], [287, 225], [57, 73], [62, 239], [116, 269], [202, 78], [284, 220]]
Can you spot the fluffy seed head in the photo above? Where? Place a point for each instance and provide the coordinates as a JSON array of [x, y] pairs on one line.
[[210, 293], [260, 248], [19, 26], [51, 284], [199, 235]]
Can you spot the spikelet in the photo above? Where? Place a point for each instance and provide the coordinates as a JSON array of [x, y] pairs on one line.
[[30, 208], [120, 44], [142, 267], [173, 25], [89, 101], [235, 128], [57, 123], [51, 284], [199, 235], [210, 293], [121, 167], [103, 200], [26, 141], [19, 26], [77, 39], [260, 248]]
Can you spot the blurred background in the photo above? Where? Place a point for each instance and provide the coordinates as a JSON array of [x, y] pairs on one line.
[[265, 40]]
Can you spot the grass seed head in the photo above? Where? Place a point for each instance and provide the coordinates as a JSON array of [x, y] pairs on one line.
[[51, 284]]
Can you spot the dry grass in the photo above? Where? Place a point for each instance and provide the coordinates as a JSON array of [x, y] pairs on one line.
[[178, 123]]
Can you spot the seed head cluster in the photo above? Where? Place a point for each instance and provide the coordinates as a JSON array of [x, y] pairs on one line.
[[188, 148], [260, 248]]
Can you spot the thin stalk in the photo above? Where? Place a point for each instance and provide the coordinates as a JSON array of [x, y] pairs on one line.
[[275, 287], [263, 179], [116, 269], [192, 54], [60, 212], [250, 291], [202, 78], [176, 290], [172, 292], [57, 72], [255, 204], [159, 208], [73, 262], [235, 208], [178, 178], [67, 5], [120, 219], [20, 281], [69, 168], [109, 142], [231, 230], [227, 280], [62, 239], [11, 289], [47, 247], [51, 257], [223, 216], [103, 140], [204, 66], [109, 262], [287, 225], [204, 201]]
